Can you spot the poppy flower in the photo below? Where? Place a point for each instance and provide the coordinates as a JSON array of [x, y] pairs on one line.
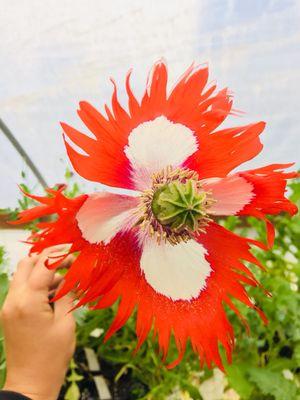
[[158, 249]]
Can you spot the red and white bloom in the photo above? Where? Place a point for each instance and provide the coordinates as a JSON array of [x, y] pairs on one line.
[[160, 250]]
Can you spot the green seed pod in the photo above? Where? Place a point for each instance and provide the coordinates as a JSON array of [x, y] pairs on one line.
[[179, 205]]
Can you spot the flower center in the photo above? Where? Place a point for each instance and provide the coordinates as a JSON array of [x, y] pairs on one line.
[[180, 205], [175, 207]]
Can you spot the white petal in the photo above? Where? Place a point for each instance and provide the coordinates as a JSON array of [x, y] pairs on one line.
[[154, 145], [231, 194], [103, 215], [179, 272]]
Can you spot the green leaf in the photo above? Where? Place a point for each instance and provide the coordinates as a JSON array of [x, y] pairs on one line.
[[68, 174], [297, 353], [236, 375], [74, 377], [273, 383], [73, 392], [280, 364], [124, 370], [3, 288], [2, 372], [192, 390]]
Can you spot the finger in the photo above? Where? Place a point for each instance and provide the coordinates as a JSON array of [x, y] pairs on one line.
[[57, 279], [63, 306], [24, 269], [41, 277]]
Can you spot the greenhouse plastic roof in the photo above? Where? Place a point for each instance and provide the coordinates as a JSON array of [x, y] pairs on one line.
[[54, 54]]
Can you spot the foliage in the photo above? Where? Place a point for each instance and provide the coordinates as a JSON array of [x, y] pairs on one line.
[[265, 363], [73, 390], [3, 292]]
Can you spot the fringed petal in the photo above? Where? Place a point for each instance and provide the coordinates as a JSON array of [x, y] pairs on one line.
[[222, 151], [63, 230], [190, 104], [201, 320], [269, 187]]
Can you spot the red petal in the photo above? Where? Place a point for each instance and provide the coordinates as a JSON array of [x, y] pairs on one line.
[[154, 100], [222, 151], [62, 230], [202, 320], [188, 103], [269, 186], [104, 162]]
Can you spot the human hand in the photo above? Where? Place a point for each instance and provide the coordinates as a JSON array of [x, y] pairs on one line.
[[39, 339]]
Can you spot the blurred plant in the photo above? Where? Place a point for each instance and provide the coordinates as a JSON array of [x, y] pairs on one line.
[[23, 202], [266, 362], [73, 188], [3, 292], [73, 392]]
